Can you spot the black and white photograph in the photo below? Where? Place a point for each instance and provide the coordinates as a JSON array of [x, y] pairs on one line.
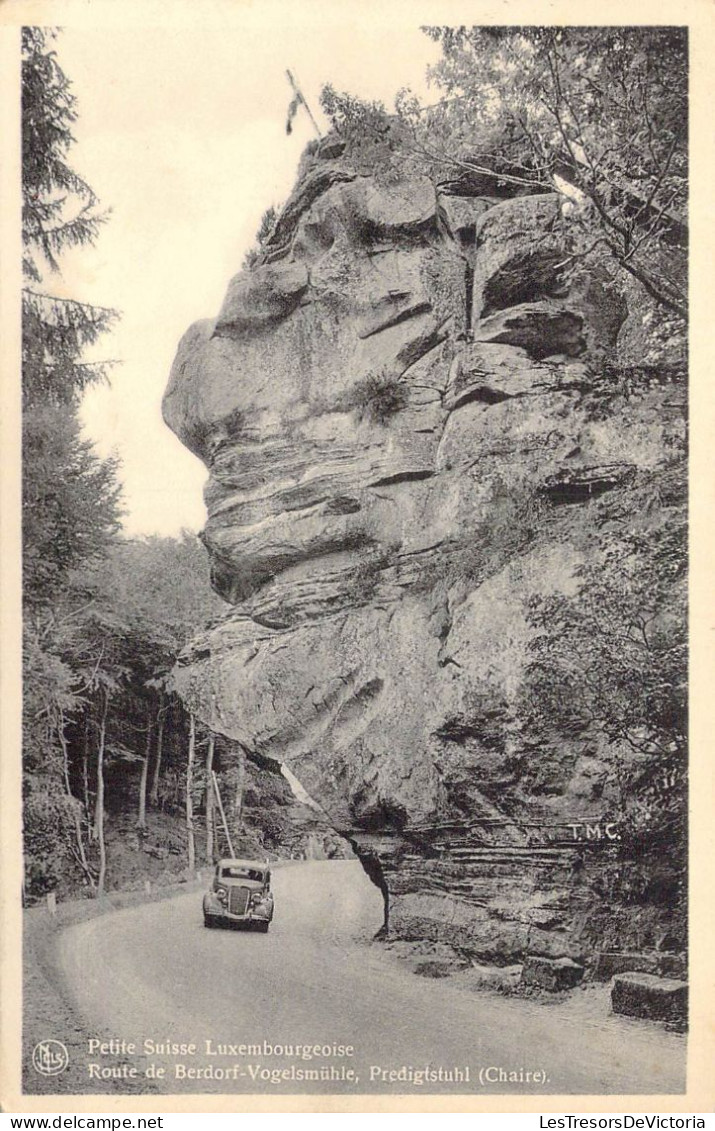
[[355, 575]]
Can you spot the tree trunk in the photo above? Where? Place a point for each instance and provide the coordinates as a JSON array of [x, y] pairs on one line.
[[154, 795], [80, 854], [210, 799], [189, 800], [99, 801], [240, 779], [141, 818], [85, 767]]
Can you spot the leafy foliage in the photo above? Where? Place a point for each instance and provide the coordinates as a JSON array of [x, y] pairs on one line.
[[105, 617], [97, 693], [378, 397], [598, 115], [613, 659], [158, 587], [266, 226], [70, 502], [50, 219], [70, 496], [59, 211], [55, 333], [50, 696]]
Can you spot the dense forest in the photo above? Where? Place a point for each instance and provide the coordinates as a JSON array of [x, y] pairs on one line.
[[105, 617]]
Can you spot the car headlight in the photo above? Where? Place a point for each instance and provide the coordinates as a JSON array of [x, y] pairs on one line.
[[221, 894]]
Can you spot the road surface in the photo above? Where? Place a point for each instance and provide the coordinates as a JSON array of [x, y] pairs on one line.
[[153, 976]]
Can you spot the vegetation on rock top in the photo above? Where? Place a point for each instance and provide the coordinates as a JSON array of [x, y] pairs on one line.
[[598, 115]]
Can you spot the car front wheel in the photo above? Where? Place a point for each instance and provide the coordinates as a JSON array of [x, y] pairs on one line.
[[263, 927]]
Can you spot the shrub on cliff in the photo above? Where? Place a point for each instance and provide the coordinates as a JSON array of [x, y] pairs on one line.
[[266, 226], [378, 397]]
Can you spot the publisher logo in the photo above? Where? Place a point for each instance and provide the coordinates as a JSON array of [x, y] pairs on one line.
[[49, 1058]]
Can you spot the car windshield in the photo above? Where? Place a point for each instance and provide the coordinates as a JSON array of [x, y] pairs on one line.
[[234, 872]]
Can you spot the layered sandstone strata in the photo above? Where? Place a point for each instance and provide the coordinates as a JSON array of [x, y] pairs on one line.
[[407, 440]]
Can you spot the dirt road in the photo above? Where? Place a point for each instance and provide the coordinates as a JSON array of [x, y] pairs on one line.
[[153, 976]]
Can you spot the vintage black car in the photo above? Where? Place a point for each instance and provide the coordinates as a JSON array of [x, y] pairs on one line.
[[240, 893]]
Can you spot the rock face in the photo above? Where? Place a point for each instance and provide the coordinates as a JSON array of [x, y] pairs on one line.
[[551, 973], [650, 997], [670, 965], [406, 443], [273, 821]]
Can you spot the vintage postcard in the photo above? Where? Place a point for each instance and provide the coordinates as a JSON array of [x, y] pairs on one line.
[[356, 593]]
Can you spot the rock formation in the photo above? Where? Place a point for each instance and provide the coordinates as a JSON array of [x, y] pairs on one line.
[[411, 433]]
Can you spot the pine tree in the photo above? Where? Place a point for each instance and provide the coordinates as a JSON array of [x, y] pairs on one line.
[[59, 211], [70, 495]]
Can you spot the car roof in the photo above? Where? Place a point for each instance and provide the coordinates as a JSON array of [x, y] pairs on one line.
[[232, 862]]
